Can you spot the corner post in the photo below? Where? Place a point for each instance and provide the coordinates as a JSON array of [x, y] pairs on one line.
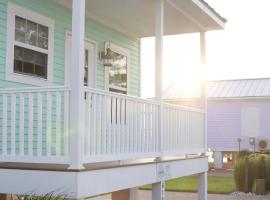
[[77, 122], [159, 31], [204, 84], [158, 191]]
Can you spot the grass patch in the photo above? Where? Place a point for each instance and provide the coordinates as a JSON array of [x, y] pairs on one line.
[[216, 185]]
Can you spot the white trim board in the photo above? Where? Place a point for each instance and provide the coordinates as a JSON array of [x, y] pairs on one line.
[[94, 182], [68, 59]]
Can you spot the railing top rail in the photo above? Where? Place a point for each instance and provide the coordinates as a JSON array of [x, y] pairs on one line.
[[186, 108], [149, 101], [123, 96], [33, 89]]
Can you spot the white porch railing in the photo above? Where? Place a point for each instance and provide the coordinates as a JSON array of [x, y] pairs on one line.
[[121, 127], [183, 130], [34, 127]]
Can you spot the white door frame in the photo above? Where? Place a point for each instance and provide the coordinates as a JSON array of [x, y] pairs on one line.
[[92, 58]]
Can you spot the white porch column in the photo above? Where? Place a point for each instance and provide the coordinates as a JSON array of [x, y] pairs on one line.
[[202, 186], [77, 122], [159, 31], [204, 84], [158, 191]]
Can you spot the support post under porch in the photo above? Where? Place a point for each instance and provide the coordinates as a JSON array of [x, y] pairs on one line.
[[3, 197], [128, 194], [202, 186], [158, 191], [76, 129]]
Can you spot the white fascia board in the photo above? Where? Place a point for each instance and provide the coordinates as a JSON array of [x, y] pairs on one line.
[[210, 13]]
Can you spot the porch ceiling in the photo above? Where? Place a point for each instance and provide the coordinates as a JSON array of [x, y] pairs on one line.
[[137, 17]]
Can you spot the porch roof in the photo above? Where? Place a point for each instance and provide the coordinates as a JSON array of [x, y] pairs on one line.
[[137, 17]]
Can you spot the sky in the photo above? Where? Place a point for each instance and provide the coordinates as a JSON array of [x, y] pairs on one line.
[[240, 51]]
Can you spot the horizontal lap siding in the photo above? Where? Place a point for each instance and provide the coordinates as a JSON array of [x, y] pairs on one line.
[[3, 24], [62, 19], [224, 122], [94, 31]]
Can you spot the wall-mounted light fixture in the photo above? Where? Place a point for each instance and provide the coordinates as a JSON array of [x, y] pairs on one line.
[[108, 57]]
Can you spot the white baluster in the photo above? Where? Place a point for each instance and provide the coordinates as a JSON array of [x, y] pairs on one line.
[[4, 128], [48, 124], [21, 127], [58, 124], [13, 123], [39, 125], [103, 124], [94, 119], [66, 123], [30, 123], [108, 124], [87, 124]]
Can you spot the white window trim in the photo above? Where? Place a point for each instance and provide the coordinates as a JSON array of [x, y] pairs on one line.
[[125, 52], [15, 10]]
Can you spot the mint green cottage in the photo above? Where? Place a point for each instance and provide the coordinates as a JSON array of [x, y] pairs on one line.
[[71, 116]]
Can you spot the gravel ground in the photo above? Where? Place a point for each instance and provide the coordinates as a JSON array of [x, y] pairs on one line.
[[146, 195]]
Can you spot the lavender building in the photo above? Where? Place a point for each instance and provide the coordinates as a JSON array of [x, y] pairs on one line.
[[238, 114]]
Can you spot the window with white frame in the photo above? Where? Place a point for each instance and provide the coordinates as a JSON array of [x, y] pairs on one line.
[[117, 74], [29, 46]]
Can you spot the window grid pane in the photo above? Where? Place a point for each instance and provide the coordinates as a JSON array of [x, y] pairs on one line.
[[30, 62], [31, 33]]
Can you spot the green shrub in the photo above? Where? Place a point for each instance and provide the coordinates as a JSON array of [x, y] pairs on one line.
[[243, 153], [267, 169], [240, 172], [258, 168], [263, 168]]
